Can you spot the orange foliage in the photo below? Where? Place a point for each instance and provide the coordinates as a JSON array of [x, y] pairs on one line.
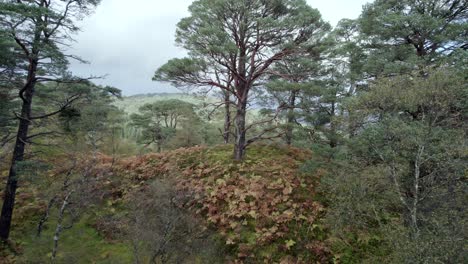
[[262, 207]]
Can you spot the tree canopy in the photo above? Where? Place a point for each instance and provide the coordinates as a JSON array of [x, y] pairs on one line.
[[401, 34], [233, 44]]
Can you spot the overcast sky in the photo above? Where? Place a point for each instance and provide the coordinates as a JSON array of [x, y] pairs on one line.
[[129, 40]]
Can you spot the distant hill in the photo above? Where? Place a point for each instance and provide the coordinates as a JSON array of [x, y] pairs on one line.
[[130, 104], [154, 95]]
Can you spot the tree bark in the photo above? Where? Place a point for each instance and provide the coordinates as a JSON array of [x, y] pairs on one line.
[[291, 117], [46, 215], [333, 134], [417, 176], [158, 146], [240, 144], [59, 228], [227, 118], [18, 153]]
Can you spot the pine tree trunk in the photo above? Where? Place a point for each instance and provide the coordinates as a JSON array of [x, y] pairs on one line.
[[158, 146], [18, 155], [350, 125], [242, 90], [240, 144], [290, 121]]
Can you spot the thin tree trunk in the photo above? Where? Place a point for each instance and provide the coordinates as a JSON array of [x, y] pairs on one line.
[[114, 146], [417, 174], [18, 154], [351, 127], [333, 135], [227, 118], [46, 215], [291, 118], [158, 146], [59, 228]]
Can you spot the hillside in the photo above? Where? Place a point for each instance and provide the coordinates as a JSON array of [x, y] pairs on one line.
[[296, 134], [259, 210], [131, 104]]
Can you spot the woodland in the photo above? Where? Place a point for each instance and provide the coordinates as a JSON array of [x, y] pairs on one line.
[[291, 141]]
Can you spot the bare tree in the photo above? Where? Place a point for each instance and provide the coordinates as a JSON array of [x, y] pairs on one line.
[[162, 230]]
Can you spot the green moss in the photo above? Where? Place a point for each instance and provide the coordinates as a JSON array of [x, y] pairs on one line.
[[219, 154], [79, 244], [249, 236]]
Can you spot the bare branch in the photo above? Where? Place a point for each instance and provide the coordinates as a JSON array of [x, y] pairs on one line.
[[44, 134], [64, 106]]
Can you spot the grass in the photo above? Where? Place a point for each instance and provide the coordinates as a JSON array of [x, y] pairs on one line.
[[80, 244]]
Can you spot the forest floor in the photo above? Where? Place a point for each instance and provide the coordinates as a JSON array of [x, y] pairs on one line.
[[191, 205]]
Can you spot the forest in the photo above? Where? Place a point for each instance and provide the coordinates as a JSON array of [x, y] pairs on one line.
[[290, 140]]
